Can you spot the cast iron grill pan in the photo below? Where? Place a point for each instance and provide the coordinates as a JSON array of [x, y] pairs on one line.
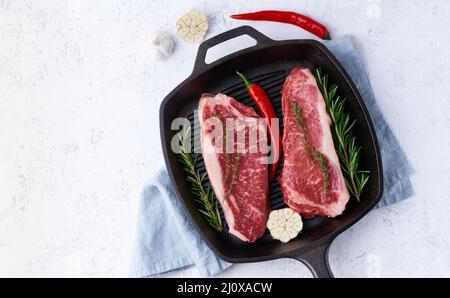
[[268, 63]]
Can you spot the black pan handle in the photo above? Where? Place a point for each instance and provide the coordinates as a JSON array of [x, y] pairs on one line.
[[316, 259], [261, 40]]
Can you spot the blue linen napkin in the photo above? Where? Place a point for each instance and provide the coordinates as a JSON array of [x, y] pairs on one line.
[[166, 240]]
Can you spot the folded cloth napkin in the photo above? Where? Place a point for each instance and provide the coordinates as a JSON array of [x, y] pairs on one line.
[[166, 240]]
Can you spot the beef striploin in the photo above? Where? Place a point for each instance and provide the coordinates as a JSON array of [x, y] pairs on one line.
[[239, 176], [311, 180]]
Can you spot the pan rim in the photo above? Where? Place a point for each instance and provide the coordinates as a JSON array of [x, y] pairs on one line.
[[327, 239]]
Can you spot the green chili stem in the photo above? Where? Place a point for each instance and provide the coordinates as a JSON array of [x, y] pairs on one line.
[[247, 83]]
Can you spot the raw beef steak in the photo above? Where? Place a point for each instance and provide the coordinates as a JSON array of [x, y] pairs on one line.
[[311, 180], [239, 178]]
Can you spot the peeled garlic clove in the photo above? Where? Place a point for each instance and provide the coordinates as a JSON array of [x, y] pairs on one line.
[[287, 212], [192, 26], [284, 237], [276, 232], [291, 232], [189, 37]]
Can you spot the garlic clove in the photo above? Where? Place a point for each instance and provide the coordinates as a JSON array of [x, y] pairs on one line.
[[161, 46], [287, 212], [166, 46], [284, 237]]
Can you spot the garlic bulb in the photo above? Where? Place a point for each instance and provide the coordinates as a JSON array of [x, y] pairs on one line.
[[284, 224], [192, 26], [161, 46]]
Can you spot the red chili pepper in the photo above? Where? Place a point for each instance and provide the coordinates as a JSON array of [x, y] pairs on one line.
[[288, 17], [264, 104]]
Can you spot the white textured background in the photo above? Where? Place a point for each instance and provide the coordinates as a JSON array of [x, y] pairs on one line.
[[79, 136]]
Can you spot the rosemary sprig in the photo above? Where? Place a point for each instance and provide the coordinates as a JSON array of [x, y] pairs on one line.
[[237, 161], [323, 165], [314, 154], [347, 149], [205, 198]]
